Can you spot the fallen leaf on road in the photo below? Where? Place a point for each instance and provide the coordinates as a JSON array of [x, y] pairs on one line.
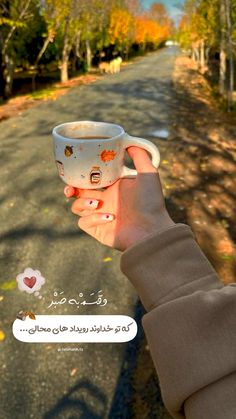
[[108, 259], [225, 246], [8, 285], [2, 335], [1, 297], [73, 372], [165, 162], [45, 210], [227, 257]]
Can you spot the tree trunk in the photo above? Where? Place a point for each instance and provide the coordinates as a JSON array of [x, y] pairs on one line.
[[195, 54], [40, 54], [207, 55], [6, 76], [230, 54], [202, 55], [127, 53], [9, 73], [88, 54], [222, 70], [76, 50], [231, 80], [222, 75], [64, 71], [65, 53], [73, 62], [2, 80]]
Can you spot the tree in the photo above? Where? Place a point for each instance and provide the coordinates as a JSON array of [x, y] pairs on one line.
[[230, 9], [210, 24], [13, 16], [159, 13], [51, 16], [141, 30], [121, 29]]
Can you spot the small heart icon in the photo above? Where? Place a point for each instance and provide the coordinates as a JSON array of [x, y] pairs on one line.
[[30, 282]]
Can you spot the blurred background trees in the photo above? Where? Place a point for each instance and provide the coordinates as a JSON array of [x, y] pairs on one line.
[[40, 36], [47, 39], [208, 30]]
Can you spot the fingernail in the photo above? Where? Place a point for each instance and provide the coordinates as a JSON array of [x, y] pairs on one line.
[[107, 217], [91, 203], [67, 190]]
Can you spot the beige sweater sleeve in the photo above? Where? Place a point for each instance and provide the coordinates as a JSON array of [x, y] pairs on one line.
[[190, 323]]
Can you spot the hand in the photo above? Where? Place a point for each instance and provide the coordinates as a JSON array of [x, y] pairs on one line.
[[127, 211]]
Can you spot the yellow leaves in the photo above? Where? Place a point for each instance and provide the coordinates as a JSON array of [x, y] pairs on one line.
[[167, 186], [10, 22], [121, 26], [8, 285], [107, 259], [227, 257], [147, 30], [2, 336], [141, 28]]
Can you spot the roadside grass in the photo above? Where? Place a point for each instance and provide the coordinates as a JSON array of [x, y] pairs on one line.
[[45, 94]]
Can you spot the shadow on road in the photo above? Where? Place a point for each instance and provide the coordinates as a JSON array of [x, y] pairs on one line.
[[84, 401], [137, 392]]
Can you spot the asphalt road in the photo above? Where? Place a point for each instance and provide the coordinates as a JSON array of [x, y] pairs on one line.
[[38, 230]]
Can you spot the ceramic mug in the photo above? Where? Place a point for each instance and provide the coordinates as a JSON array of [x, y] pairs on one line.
[[90, 155]]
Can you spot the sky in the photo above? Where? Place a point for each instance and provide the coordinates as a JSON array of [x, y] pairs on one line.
[[171, 5]]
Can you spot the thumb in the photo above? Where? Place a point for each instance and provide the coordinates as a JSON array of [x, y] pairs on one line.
[[141, 159]]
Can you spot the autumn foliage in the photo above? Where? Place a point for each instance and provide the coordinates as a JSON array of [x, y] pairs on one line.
[[70, 33], [207, 31], [147, 30], [125, 28], [121, 27]]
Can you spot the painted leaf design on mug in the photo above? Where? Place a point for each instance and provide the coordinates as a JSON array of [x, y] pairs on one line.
[[68, 150], [107, 155]]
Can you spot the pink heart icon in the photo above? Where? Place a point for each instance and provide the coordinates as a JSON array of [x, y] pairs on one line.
[[30, 282]]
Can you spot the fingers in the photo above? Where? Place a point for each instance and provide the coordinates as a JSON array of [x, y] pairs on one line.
[[93, 220], [70, 191], [141, 159], [82, 204]]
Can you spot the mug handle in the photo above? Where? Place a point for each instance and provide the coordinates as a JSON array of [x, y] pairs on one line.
[[129, 141]]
